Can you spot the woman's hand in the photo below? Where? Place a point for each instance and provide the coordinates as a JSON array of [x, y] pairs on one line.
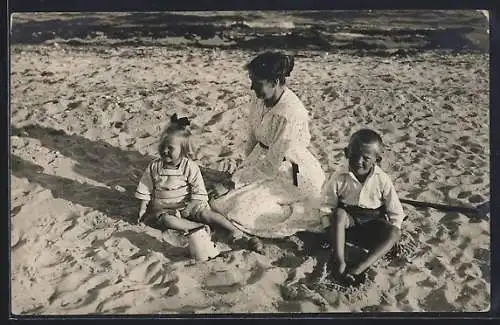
[[228, 165], [242, 177]]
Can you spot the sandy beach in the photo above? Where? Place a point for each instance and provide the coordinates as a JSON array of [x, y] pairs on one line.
[[88, 103]]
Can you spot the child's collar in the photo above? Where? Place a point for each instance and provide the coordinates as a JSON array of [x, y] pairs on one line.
[[183, 159], [375, 171]]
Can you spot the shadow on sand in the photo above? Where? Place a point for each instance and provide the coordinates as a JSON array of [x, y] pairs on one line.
[[110, 202], [96, 160], [116, 205]]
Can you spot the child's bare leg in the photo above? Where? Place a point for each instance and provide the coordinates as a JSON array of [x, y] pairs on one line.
[[176, 223], [341, 222], [390, 236], [210, 216]]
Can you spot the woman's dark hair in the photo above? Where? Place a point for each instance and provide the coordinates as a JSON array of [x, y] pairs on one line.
[[271, 66]]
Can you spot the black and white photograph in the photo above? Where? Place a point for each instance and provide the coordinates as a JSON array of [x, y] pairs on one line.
[[229, 162]]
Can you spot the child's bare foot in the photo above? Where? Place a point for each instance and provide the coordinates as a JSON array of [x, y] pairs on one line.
[[254, 244], [139, 219], [337, 266], [341, 267], [354, 280], [236, 236]]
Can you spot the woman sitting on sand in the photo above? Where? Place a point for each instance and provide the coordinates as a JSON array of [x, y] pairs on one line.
[[280, 180]]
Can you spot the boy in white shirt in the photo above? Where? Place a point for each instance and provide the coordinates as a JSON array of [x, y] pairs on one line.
[[363, 196]]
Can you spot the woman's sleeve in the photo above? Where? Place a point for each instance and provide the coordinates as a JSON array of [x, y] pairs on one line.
[[284, 133], [283, 136], [251, 140]]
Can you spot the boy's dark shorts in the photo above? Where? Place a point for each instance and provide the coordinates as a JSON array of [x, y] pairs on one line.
[[362, 216], [370, 225]]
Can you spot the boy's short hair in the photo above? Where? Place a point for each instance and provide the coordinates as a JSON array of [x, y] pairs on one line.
[[366, 136]]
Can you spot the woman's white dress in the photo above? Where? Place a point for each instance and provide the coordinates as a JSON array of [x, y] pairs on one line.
[[265, 201]]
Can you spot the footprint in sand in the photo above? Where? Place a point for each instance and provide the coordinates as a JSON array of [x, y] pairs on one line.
[[430, 195], [15, 238], [471, 179], [428, 283], [482, 255], [466, 241], [224, 281], [69, 282], [451, 220], [437, 267], [457, 259], [468, 164], [226, 152], [18, 239], [118, 302], [411, 178], [469, 270], [465, 193], [290, 307], [90, 290], [468, 299], [476, 198], [148, 270], [256, 274], [437, 301], [459, 148], [50, 259], [215, 119]]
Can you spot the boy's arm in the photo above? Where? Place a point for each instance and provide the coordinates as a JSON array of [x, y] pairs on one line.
[[393, 206], [330, 193], [330, 199]]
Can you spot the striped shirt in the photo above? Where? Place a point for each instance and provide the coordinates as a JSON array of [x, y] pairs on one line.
[[171, 188]]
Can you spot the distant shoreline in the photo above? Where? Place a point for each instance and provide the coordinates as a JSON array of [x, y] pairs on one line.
[[330, 31]]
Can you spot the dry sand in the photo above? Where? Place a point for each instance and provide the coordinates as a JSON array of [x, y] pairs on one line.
[[85, 122]]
